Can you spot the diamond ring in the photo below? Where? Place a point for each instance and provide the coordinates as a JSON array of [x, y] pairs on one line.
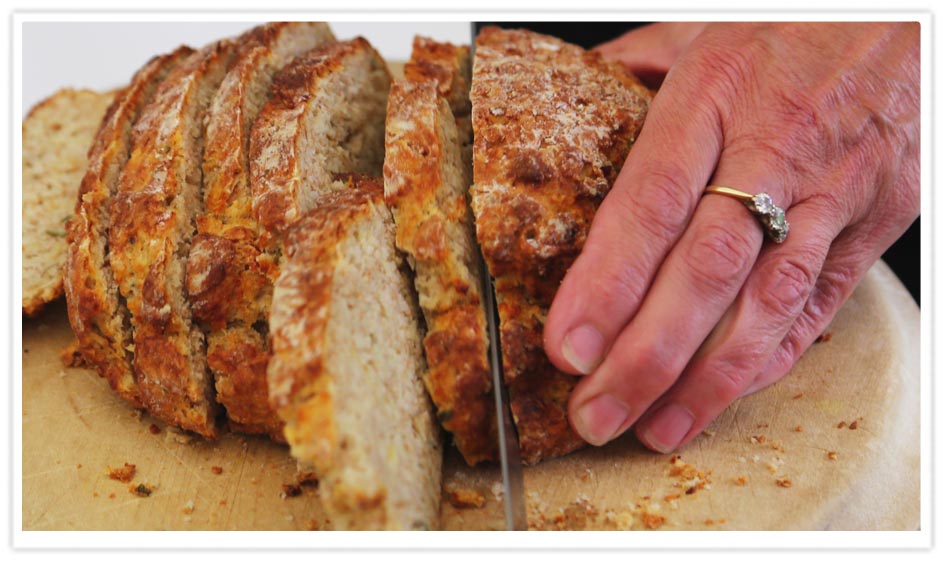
[[771, 216]]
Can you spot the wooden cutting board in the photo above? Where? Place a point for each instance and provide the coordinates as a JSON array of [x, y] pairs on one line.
[[835, 445]]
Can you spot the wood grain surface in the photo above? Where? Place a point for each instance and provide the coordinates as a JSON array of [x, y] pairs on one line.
[[866, 477]]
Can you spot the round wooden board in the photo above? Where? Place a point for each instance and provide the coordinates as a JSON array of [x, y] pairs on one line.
[[74, 429]]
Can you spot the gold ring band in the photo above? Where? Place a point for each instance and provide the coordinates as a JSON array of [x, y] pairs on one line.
[[761, 205]]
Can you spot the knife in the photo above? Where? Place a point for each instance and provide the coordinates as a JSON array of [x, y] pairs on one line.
[[509, 453]]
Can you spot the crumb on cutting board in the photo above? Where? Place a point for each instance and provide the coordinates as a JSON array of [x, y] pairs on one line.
[[217, 470], [465, 498], [124, 474], [142, 489]]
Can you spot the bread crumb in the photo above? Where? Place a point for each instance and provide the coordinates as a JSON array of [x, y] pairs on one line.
[[672, 497], [153, 428], [762, 426], [289, 518], [758, 439], [652, 521], [290, 490], [842, 424], [465, 498], [223, 502], [709, 522], [312, 525], [217, 470], [832, 455], [740, 481], [189, 507], [783, 482], [708, 432], [799, 428], [586, 475], [123, 474], [853, 425], [824, 337], [111, 495], [95, 494], [141, 490], [78, 466], [187, 518], [62, 373], [798, 395]]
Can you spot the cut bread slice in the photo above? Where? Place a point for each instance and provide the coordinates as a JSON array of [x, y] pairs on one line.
[[57, 134], [97, 313], [427, 184], [345, 374], [326, 116], [153, 224], [451, 67], [228, 288], [553, 124]]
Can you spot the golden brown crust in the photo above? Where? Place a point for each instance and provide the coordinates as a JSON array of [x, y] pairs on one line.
[[426, 185], [553, 124], [152, 213], [97, 315], [311, 243], [230, 277], [275, 178]]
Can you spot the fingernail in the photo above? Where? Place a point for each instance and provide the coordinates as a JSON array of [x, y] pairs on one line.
[[598, 420], [583, 348], [665, 429]]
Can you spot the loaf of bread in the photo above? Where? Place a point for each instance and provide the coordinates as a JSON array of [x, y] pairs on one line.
[[228, 280], [326, 116], [57, 134], [346, 370], [153, 225], [426, 183], [97, 314], [553, 124]]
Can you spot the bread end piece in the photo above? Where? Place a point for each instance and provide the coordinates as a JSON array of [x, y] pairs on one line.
[[57, 135]]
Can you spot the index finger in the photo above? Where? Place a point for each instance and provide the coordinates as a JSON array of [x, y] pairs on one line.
[[638, 223]]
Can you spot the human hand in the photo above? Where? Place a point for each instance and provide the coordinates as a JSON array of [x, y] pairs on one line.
[[675, 307]]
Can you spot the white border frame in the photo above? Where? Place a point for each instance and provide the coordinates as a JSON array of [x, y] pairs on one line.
[[560, 541]]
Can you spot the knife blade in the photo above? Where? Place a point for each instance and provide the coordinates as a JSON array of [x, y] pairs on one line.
[[509, 452]]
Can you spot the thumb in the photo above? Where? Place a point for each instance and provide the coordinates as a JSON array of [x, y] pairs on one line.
[[651, 50]]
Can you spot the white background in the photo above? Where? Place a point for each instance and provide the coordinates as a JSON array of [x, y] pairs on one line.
[[104, 55]]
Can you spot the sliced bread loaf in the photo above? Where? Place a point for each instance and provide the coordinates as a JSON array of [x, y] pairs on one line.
[[153, 224], [426, 183], [326, 116], [345, 374], [97, 313], [57, 134], [227, 277], [553, 124]]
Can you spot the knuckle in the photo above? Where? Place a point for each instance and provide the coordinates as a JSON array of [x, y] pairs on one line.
[[734, 368], [661, 206], [616, 284], [787, 286], [717, 257], [658, 364]]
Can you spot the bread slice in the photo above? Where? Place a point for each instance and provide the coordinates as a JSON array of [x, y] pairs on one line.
[[427, 186], [553, 125], [153, 224], [326, 116], [228, 289], [97, 313], [57, 134], [451, 67], [345, 374]]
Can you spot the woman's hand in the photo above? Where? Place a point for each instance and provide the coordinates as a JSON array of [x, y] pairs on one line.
[[676, 306]]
